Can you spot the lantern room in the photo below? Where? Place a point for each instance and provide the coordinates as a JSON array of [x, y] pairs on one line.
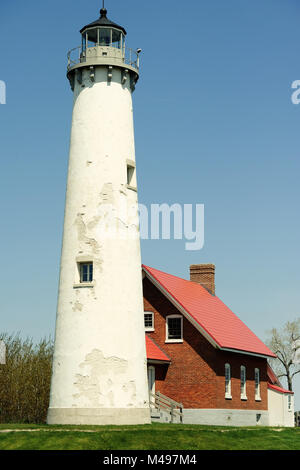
[[103, 44], [103, 32]]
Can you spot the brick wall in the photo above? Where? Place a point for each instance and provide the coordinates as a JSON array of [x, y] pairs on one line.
[[196, 375]]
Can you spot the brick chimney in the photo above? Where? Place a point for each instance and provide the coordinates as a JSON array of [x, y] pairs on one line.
[[204, 274]]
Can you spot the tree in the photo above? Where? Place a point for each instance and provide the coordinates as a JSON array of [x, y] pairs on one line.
[[285, 343]]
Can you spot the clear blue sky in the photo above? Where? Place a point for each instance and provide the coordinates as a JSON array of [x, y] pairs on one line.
[[214, 124]]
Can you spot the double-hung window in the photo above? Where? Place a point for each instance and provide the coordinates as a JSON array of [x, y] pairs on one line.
[[174, 333], [149, 321], [86, 272], [227, 381], [257, 384], [243, 383]]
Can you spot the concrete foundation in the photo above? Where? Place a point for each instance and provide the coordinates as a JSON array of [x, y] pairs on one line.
[[98, 416], [223, 417]]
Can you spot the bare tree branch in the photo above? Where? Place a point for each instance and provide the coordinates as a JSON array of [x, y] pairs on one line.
[[297, 372], [285, 343]]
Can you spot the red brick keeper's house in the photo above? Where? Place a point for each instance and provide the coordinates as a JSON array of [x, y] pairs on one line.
[[202, 355]]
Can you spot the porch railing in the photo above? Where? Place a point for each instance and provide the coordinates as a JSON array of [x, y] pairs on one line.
[[164, 403]]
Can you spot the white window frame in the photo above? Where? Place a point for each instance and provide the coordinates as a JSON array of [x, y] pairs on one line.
[[149, 328], [168, 340], [151, 374], [257, 384], [90, 265], [243, 383], [228, 395]]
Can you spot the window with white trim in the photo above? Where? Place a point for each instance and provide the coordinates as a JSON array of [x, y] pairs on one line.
[[227, 381], [149, 321], [243, 383], [174, 333], [86, 272], [257, 384]]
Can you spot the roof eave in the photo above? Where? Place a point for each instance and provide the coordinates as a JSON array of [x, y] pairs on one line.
[[158, 361], [281, 390], [249, 353], [92, 25]]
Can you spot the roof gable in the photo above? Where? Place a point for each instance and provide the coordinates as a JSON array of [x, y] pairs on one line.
[[217, 322]]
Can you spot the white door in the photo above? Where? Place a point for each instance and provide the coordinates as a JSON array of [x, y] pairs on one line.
[[151, 379]]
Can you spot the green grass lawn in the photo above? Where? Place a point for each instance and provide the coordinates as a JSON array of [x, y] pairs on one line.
[[147, 437]]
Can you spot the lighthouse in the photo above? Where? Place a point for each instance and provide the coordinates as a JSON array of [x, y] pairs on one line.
[[99, 368]]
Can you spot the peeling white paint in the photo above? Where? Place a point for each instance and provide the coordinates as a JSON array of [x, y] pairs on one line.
[[101, 379], [77, 306]]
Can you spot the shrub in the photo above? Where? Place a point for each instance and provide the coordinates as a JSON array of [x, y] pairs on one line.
[[25, 380]]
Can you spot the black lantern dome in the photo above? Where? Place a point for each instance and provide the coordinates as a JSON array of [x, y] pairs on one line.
[[103, 22]]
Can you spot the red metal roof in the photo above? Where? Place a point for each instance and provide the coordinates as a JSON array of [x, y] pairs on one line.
[[210, 313], [279, 389], [154, 352]]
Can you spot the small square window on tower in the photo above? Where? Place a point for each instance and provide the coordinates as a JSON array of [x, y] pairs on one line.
[[86, 272], [131, 175]]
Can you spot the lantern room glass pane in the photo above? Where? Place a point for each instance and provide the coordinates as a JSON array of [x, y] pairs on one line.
[[83, 42], [104, 36], [116, 38], [92, 36]]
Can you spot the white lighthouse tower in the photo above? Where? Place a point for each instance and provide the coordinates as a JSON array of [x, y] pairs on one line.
[[99, 368]]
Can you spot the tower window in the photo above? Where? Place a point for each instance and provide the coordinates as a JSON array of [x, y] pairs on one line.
[[131, 175], [86, 272]]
